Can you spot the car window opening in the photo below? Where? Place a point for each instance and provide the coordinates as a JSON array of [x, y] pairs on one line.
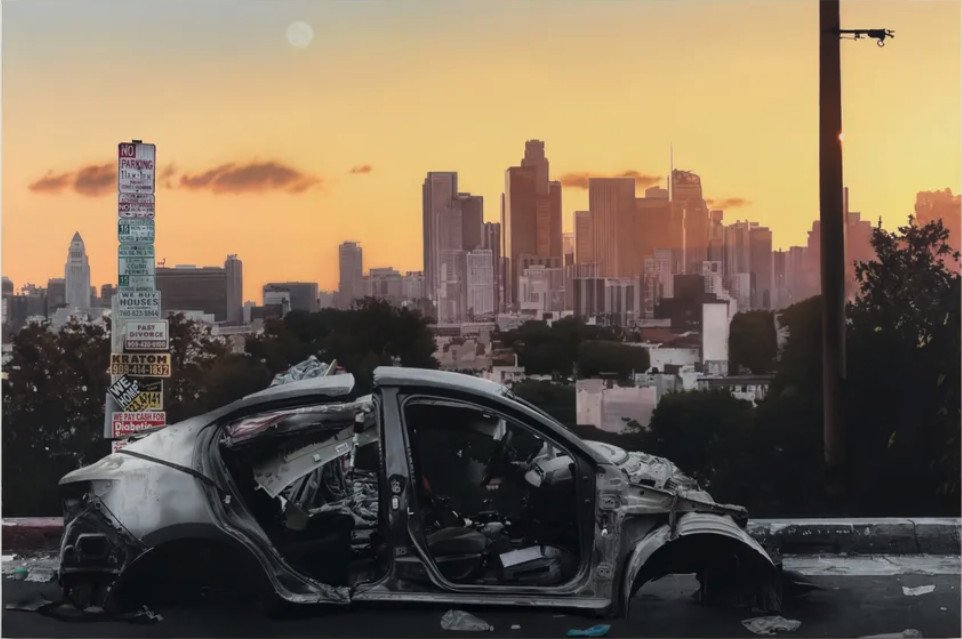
[[497, 501]]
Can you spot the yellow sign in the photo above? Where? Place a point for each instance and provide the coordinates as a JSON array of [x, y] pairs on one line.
[[140, 364]]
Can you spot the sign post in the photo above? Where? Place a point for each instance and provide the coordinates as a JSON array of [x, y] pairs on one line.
[[139, 339]]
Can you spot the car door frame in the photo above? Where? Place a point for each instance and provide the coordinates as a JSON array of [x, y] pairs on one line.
[[587, 589]]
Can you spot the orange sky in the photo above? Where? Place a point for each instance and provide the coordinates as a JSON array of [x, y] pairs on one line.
[[402, 88]]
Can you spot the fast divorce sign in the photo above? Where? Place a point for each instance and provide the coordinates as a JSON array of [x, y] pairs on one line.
[[146, 335], [126, 423], [140, 364]]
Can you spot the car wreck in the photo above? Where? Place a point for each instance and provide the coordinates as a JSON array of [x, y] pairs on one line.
[[436, 487]]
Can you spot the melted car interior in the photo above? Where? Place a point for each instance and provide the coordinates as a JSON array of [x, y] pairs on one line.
[[310, 478], [496, 501]]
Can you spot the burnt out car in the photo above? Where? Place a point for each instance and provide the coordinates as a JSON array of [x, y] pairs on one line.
[[437, 487]]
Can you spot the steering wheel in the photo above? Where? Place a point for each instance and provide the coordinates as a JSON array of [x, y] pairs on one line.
[[496, 459]]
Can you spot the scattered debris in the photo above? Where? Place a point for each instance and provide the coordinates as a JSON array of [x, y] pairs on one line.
[[19, 573], [30, 605], [771, 625], [943, 608], [461, 620], [910, 633], [310, 367], [594, 631], [40, 576], [920, 590], [7, 557], [516, 626]]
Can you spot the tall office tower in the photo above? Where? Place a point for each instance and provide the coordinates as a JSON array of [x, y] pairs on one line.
[[412, 286], [480, 283], [657, 281], [438, 192], [568, 248], [712, 273], [472, 220], [572, 271], [491, 241], [530, 214], [780, 279], [737, 249], [612, 205], [794, 275], [939, 205], [760, 241], [689, 205], [716, 236], [858, 245], [653, 221], [77, 274], [350, 262], [611, 300], [107, 292], [386, 284], [190, 288], [235, 289], [584, 238], [57, 294], [541, 289]]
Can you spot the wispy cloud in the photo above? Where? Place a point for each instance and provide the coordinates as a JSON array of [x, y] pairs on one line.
[[51, 183], [166, 177], [727, 202], [252, 177], [96, 179], [579, 179], [361, 168]]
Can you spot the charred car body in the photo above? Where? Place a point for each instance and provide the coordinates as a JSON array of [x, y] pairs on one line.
[[437, 487]]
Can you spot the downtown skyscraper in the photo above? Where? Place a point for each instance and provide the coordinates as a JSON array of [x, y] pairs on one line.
[[530, 217], [350, 261]]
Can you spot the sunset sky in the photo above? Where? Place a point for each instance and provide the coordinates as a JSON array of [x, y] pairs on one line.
[[279, 152]]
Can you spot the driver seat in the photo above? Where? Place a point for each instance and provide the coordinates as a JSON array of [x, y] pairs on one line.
[[458, 551]]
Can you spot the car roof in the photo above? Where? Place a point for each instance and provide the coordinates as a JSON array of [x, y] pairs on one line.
[[423, 377], [330, 386]]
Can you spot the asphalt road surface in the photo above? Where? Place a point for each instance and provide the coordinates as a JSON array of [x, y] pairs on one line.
[[855, 601]]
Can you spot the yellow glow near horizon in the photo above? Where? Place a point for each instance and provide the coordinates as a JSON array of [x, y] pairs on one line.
[[383, 92]]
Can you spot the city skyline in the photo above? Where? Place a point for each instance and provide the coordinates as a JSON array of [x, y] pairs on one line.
[[325, 159]]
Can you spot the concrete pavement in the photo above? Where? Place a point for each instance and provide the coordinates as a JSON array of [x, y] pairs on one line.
[[860, 596]]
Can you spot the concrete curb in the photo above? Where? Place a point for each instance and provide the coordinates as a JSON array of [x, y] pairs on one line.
[[897, 536]]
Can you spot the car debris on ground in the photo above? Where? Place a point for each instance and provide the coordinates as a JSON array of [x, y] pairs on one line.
[[462, 620], [770, 625], [599, 630], [918, 590]]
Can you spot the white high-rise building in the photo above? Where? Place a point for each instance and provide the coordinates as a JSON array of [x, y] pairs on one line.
[[480, 268], [77, 274]]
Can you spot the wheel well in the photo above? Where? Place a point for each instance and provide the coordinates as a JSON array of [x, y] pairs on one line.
[[184, 569]]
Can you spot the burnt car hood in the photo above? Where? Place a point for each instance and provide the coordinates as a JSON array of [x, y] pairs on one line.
[[643, 469]]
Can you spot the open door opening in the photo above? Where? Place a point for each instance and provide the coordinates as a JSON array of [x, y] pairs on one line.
[[310, 477], [497, 502]]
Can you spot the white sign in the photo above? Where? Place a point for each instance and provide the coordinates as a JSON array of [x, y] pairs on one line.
[[135, 230], [142, 267], [139, 282], [136, 250], [133, 205], [135, 167], [128, 423], [136, 303], [147, 336]]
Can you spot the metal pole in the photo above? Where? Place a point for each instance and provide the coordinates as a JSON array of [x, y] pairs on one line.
[[832, 238]]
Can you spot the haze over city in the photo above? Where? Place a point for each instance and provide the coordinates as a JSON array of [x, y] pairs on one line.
[[278, 140]]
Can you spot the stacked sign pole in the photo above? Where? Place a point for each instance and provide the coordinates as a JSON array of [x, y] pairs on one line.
[[139, 339]]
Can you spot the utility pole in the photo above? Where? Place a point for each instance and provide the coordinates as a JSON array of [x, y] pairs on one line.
[[832, 234]]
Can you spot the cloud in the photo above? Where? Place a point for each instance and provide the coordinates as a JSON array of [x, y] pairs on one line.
[[96, 179], [166, 177], [50, 183], [362, 168], [727, 202], [579, 179], [250, 177]]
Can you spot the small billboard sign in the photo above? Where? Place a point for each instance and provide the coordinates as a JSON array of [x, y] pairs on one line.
[[132, 304], [144, 335], [140, 364], [135, 230], [135, 167], [131, 394], [125, 423]]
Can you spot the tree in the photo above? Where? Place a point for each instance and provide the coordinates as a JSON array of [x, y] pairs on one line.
[[554, 350], [903, 390], [596, 357], [53, 412], [752, 342], [558, 400]]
